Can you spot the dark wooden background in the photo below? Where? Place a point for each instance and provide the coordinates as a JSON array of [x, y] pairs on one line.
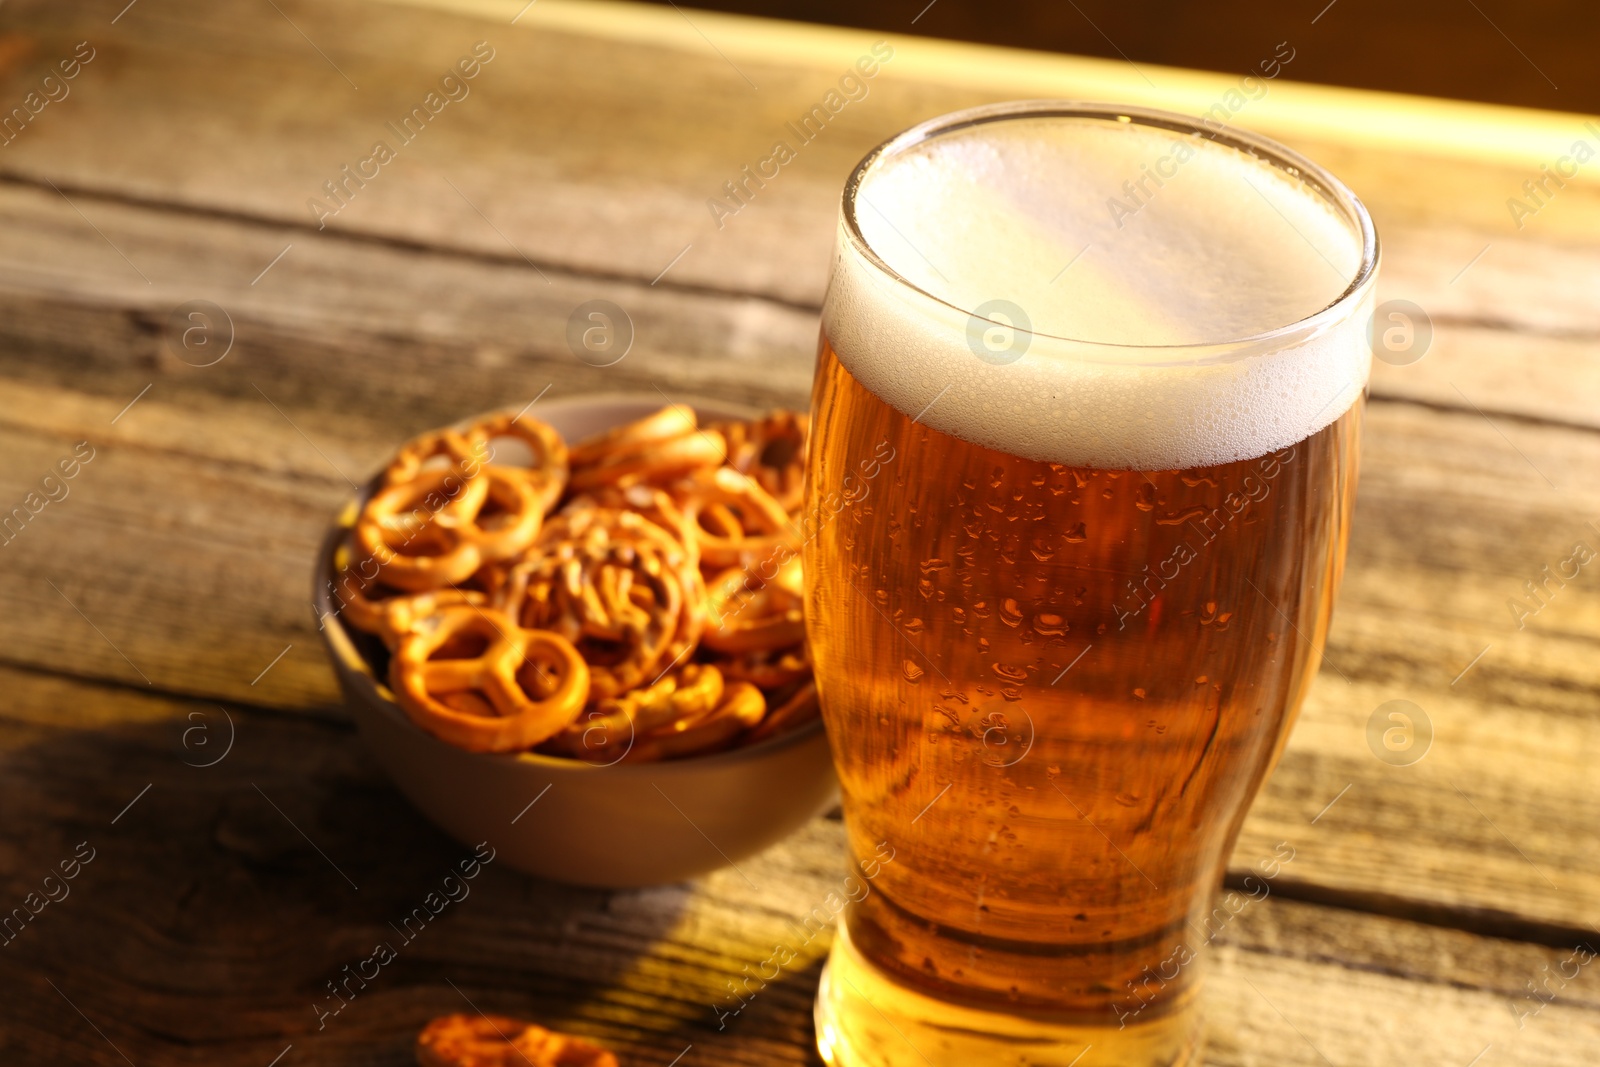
[[1536, 53]]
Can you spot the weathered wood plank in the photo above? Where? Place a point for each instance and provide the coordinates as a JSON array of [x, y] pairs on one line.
[[421, 336], [1451, 520], [236, 475], [625, 126], [186, 543], [205, 927], [383, 332]]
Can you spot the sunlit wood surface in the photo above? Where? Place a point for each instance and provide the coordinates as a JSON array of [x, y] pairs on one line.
[[1422, 901]]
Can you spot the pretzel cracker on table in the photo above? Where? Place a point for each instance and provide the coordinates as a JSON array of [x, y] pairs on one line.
[[501, 1041]]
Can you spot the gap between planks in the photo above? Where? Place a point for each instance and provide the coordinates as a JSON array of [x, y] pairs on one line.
[[399, 243]]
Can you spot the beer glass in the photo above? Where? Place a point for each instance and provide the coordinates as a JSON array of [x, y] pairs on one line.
[[1083, 456]]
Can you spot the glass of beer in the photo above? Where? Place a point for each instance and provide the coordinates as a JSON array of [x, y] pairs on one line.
[[1082, 463]]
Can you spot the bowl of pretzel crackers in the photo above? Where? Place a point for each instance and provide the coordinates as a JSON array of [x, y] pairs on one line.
[[577, 634]]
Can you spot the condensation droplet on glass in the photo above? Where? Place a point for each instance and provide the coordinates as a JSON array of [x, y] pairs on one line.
[[1049, 624], [1178, 518], [1010, 612], [1138, 694], [912, 672], [1010, 673]]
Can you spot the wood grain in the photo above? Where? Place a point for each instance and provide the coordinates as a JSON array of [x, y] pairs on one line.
[[230, 470], [626, 125], [428, 334], [206, 924], [174, 574], [222, 506]]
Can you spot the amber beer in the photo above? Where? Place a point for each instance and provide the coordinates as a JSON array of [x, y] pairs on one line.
[[1053, 686]]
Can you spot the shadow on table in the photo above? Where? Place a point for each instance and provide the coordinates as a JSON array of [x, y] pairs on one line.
[[284, 894]]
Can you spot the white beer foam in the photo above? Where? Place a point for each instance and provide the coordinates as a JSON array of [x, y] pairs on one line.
[[1224, 249]]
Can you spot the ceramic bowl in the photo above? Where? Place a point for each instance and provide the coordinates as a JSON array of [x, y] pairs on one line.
[[563, 819]]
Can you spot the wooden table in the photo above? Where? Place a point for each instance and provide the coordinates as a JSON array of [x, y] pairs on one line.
[[160, 607]]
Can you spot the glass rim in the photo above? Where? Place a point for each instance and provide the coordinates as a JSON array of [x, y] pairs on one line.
[[1339, 196]]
